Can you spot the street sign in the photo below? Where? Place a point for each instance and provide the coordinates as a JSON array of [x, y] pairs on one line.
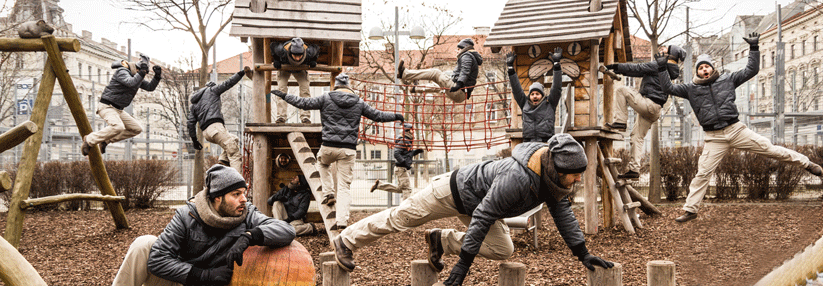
[[24, 106], [174, 154]]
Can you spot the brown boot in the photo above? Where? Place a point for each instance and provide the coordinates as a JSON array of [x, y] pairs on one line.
[[343, 255], [435, 249], [815, 169], [85, 148], [686, 217], [103, 147], [374, 187], [329, 200], [280, 120], [401, 69]]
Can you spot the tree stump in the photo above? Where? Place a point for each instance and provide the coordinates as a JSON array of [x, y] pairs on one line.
[[422, 274], [660, 273], [333, 275], [512, 274], [263, 265], [606, 277]]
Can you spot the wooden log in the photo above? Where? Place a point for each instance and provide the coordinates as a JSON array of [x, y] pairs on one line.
[[17, 135], [70, 197], [422, 274], [325, 257], [31, 150], [5, 181], [615, 194], [267, 58], [333, 275], [260, 114], [605, 277], [512, 274], [335, 58], [645, 206], [14, 269], [660, 273], [632, 205], [270, 67], [36, 45], [101, 177], [590, 187], [593, 93]]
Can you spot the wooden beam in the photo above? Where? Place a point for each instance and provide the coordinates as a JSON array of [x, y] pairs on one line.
[[619, 42], [31, 150], [17, 135], [98, 169], [615, 195], [270, 67], [36, 45], [70, 197], [645, 206], [594, 95], [5, 181], [336, 58], [267, 58], [261, 113], [589, 187], [15, 270], [311, 83]]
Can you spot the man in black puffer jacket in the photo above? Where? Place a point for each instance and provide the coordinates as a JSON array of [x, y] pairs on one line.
[[463, 78], [648, 103], [712, 96], [205, 238], [293, 52], [127, 79], [291, 204], [403, 154], [340, 112], [206, 110], [538, 109], [481, 195]]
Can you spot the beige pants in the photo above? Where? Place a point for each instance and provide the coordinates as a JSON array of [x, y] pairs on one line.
[[134, 270], [718, 144], [437, 77], [302, 78], [433, 202], [216, 133], [344, 158], [648, 112], [403, 184], [278, 211], [120, 126]]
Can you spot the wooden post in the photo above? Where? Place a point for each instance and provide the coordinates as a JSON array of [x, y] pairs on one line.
[[17, 135], [333, 275], [606, 277], [646, 206], [336, 56], [660, 273], [512, 274], [608, 100], [70, 197], [267, 58], [260, 114], [14, 269], [5, 181], [326, 257], [101, 177], [31, 150], [594, 95], [590, 187], [422, 274], [618, 202], [36, 45]]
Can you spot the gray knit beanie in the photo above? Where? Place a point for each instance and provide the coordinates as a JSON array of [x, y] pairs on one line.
[[703, 59], [221, 180], [341, 80], [569, 156], [538, 87]]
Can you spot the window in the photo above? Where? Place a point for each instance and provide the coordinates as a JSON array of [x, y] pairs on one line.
[[803, 79], [803, 47], [376, 154], [763, 89], [814, 44], [791, 52], [359, 154], [99, 76], [763, 61], [79, 70], [89, 73], [816, 74], [772, 58]]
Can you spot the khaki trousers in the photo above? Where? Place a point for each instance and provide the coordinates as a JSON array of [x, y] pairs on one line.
[[302, 78], [438, 77], [134, 271], [344, 158], [216, 133], [718, 144], [278, 211], [648, 112], [403, 184], [432, 203], [120, 126]]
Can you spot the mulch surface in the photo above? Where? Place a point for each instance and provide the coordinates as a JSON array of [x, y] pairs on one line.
[[729, 244]]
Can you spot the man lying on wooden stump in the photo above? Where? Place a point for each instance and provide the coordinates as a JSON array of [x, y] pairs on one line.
[[205, 238], [481, 195]]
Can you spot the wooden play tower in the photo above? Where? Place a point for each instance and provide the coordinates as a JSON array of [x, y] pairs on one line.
[[591, 33]]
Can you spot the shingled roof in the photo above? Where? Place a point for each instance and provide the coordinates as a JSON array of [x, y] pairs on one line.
[[527, 22], [332, 20]]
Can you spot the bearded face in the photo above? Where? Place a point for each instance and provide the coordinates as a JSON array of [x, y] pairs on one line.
[[704, 70]]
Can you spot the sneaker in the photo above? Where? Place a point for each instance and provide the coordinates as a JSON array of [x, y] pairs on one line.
[[400, 69], [103, 147], [329, 200], [686, 217], [305, 121], [617, 126], [280, 120], [374, 187], [629, 175], [343, 255], [435, 249], [85, 148], [815, 169]]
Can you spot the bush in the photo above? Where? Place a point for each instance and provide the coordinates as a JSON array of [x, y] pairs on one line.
[[758, 175], [677, 169], [141, 181], [78, 180], [729, 174], [46, 181]]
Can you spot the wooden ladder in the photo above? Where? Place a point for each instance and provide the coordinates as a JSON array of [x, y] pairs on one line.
[[626, 199], [305, 158]]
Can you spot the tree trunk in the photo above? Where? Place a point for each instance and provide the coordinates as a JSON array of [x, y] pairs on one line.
[[654, 162], [198, 171]]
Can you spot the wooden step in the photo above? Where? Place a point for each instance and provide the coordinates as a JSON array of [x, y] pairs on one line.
[[305, 158], [632, 205], [613, 161]]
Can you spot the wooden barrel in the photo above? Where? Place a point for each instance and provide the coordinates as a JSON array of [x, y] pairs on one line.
[[262, 265]]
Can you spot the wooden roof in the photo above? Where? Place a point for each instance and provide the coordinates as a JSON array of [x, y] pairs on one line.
[[329, 20], [527, 22]]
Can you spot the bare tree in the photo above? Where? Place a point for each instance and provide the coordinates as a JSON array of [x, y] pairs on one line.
[[175, 89]]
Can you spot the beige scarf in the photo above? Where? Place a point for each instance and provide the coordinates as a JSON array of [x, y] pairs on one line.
[[210, 216], [701, 81]]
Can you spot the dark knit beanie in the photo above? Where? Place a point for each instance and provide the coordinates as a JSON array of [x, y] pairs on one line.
[[569, 157], [465, 43], [341, 80], [703, 59], [221, 180], [296, 47], [538, 87]]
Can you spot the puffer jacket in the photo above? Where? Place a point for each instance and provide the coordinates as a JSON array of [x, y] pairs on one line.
[[296, 202], [124, 85], [468, 64], [538, 120], [713, 103], [340, 112], [206, 105], [188, 242], [650, 84], [403, 152], [492, 190]]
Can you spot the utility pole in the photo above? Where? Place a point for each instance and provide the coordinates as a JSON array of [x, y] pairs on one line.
[[780, 81], [148, 131], [685, 120], [240, 104], [130, 111]]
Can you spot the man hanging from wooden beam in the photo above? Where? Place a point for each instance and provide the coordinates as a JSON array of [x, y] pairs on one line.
[[403, 154], [127, 79], [538, 109], [712, 96], [293, 52], [481, 195], [648, 103], [463, 78]]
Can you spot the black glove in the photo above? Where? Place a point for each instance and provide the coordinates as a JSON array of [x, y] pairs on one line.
[[312, 64], [457, 86], [157, 71], [753, 38], [416, 152], [212, 276], [143, 67], [289, 218], [142, 72], [662, 60], [278, 93], [590, 261], [557, 55], [277, 64], [612, 67], [196, 144], [253, 236], [510, 62], [242, 72], [460, 270], [398, 116]]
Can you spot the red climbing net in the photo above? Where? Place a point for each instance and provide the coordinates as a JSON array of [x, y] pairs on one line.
[[439, 123]]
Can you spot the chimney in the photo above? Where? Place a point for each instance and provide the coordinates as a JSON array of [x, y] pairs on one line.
[[482, 30], [87, 35], [595, 5]]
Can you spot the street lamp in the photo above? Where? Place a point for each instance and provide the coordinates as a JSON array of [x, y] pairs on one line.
[[416, 33]]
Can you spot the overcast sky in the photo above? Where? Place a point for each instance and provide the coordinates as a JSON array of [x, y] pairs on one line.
[[107, 20]]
